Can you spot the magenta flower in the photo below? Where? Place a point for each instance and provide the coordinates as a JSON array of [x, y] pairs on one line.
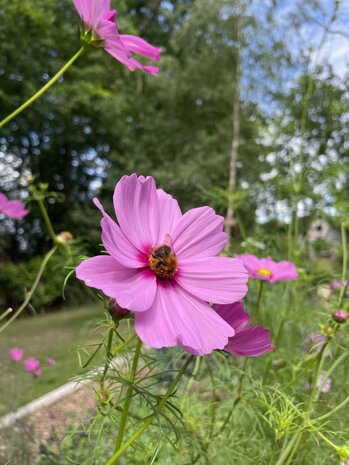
[[37, 373], [266, 269], [16, 354], [163, 266], [12, 208], [31, 365], [51, 362], [247, 342], [101, 27]]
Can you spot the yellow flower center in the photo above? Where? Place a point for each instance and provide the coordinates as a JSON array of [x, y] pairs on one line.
[[264, 272], [163, 262]]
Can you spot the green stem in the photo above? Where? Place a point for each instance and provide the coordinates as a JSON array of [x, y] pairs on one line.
[[46, 218], [128, 397], [212, 401], [32, 289], [344, 266], [259, 298], [108, 358], [43, 89], [293, 445], [150, 420], [6, 312]]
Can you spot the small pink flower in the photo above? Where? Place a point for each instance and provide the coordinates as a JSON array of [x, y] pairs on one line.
[[266, 269], [247, 342], [314, 343], [31, 365], [16, 354], [100, 21], [37, 373], [12, 208], [325, 387], [51, 362], [164, 267]]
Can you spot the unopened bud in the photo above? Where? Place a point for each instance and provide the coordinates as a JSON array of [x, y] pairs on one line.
[[64, 237], [116, 311], [340, 316], [328, 330], [343, 454]]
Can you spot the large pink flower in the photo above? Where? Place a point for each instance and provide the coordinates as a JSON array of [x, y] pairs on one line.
[[99, 21], [12, 208], [266, 269], [164, 266], [32, 365], [247, 342]]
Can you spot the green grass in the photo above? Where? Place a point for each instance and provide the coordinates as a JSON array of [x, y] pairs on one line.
[[54, 335]]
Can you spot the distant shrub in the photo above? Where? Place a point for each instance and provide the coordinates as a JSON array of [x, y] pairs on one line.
[[16, 280]]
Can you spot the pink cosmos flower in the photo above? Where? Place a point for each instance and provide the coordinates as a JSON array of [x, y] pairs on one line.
[[37, 373], [99, 20], [16, 354], [164, 266], [266, 269], [31, 365], [12, 208], [247, 342], [314, 343], [324, 387], [51, 362]]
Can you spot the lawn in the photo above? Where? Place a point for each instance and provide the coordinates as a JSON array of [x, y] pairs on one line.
[[56, 336]]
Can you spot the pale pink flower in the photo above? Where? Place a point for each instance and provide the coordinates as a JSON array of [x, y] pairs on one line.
[[12, 208], [314, 342], [100, 21], [31, 365], [37, 373], [324, 387], [266, 269], [164, 266], [16, 354], [51, 362], [247, 342]]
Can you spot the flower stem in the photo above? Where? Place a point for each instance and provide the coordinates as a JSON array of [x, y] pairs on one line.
[[259, 298], [43, 89], [344, 266], [46, 218], [150, 420], [128, 397], [32, 289]]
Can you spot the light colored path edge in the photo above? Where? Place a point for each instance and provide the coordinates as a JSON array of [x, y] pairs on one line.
[[44, 401], [50, 398]]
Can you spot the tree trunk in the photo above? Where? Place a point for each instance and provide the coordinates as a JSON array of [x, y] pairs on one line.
[[229, 219]]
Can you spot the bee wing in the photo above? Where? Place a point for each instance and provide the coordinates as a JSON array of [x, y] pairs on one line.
[[168, 241]]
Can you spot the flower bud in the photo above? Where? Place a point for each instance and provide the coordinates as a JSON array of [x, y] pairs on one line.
[[343, 454], [64, 237], [116, 311], [340, 316], [328, 330]]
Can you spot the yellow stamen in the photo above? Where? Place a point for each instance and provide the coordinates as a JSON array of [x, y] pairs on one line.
[[264, 272]]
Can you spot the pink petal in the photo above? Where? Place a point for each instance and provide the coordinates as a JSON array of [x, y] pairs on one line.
[[284, 271], [170, 213], [137, 210], [179, 318], [217, 279], [15, 209], [198, 234], [117, 244], [140, 46], [250, 342], [233, 314], [251, 263], [112, 46], [131, 288]]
